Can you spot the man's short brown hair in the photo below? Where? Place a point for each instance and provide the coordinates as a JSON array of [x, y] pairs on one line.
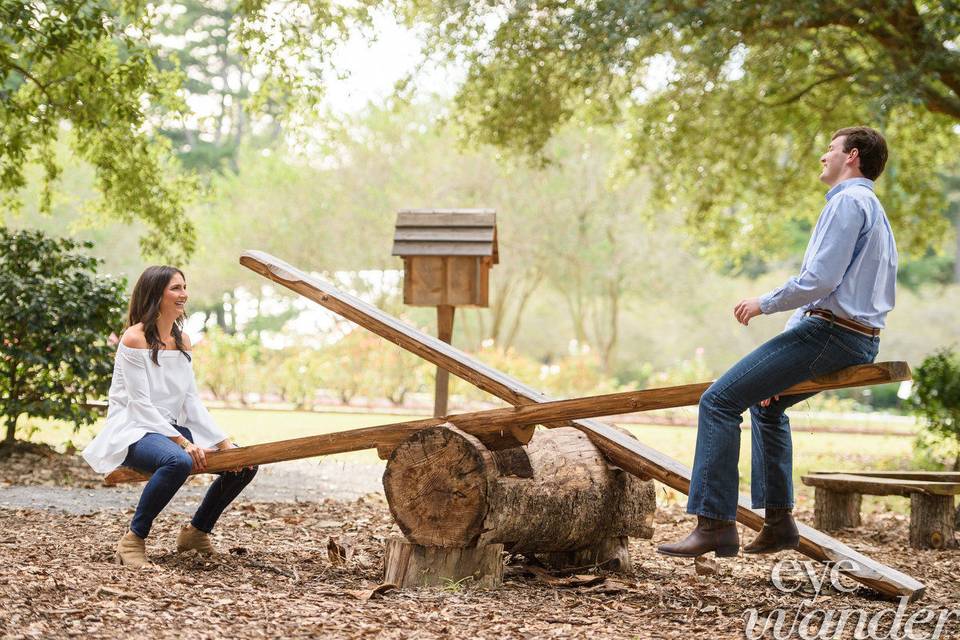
[[871, 146]]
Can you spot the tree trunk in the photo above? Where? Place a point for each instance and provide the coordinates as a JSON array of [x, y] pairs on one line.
[[556, 494], [11, 429]]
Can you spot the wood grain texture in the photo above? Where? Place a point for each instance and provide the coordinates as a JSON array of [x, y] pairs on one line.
[[933, 476], [446, 218], [931, 522], [406, 564], [833, 510], [873, 486], [630, 455]]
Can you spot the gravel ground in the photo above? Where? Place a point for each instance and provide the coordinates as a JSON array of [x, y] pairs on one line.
[[299, 481]]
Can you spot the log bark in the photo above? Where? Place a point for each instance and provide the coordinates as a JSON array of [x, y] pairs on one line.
[[931, 522], [834, 510], [406, 564], [556, 494]]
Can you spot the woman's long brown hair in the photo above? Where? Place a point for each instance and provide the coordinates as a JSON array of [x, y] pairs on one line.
[[145, 307]]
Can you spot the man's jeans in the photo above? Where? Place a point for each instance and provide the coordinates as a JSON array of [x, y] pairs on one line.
[[171, 466], [812, 348]]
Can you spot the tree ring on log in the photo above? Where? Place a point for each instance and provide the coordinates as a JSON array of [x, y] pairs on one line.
[[440, 478]]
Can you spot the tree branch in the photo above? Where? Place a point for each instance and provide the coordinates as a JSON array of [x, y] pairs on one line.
[[816, 83], [29, 76]]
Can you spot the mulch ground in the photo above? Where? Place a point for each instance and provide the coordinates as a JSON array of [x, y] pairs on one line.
[[279, 578]]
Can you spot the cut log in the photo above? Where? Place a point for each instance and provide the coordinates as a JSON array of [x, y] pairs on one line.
[[625, 452], [834, 510], [931, 522], [556, 494], [406, 564]]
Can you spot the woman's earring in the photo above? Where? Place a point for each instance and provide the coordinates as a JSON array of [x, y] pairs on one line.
[[158, 317]]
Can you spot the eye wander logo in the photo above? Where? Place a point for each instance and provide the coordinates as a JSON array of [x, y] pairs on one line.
[[808, 621]]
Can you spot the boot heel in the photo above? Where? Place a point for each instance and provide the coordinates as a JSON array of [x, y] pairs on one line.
[[726, 552], [117, 559]]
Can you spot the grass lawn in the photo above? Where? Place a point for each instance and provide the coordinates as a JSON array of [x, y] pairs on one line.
[[812, 451]]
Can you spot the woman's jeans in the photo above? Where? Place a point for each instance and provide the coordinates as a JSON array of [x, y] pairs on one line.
[[171, 466], [811, 348]]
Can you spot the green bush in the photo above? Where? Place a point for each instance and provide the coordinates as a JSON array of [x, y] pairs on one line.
[[56, 316], [936, 400]]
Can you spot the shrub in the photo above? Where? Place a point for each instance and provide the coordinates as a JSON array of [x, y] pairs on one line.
[[936, 400], [56, 315]]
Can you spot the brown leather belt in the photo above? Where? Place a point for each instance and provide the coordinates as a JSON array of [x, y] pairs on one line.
[[852, 325]]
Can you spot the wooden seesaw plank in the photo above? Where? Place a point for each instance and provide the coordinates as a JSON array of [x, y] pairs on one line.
[[500, 428], [628, 453]]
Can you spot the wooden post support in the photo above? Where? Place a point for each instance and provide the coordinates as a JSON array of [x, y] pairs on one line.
[[406, 564], [931, 521], [627, 453], [834, 510], [444, 332]]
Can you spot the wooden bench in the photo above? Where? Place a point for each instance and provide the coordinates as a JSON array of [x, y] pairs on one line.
[[837, 498]]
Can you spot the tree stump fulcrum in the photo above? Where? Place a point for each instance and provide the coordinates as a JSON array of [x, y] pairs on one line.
[[557, 498]]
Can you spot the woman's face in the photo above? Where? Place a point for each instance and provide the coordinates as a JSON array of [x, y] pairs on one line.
[[174, 297]]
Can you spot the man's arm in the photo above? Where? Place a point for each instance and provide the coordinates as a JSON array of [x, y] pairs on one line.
[[825, 267]]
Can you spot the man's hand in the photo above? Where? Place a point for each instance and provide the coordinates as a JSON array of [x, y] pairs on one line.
[[746, 309], [766, 403]]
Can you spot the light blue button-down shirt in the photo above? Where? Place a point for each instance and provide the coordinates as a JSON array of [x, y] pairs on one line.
[[850, 266]]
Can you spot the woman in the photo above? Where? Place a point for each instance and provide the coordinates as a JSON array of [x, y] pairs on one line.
[[155, 420]]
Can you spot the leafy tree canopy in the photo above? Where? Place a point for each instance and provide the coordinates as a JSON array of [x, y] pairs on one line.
[[752, 92], [95, 71], [84, 67], [55, 316]]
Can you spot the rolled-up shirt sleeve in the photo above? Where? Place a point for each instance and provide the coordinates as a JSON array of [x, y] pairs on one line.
[[827, 258], [198, 420], [141, 411]]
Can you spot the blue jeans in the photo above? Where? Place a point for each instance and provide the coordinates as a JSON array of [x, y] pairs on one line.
[[171, 466], [812, 348]]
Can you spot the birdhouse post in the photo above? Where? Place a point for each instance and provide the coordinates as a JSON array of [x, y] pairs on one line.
[[447, 255]]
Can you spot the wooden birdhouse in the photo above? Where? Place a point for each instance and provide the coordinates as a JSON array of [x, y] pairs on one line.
[[447, 255]]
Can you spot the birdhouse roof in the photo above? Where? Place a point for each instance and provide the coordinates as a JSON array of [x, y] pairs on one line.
[[446, 232]]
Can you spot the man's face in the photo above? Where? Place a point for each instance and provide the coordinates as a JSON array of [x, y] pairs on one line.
[[834, 160]]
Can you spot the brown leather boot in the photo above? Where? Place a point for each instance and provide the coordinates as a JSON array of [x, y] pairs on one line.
[[779, 532], [132, 551], [719, 536], [192, 538]]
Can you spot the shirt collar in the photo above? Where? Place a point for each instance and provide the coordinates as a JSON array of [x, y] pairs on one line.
[[850, 182]]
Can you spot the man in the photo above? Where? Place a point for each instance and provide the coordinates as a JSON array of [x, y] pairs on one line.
[[842, 295]]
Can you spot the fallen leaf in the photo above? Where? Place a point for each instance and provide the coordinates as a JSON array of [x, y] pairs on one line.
[[366, 594]]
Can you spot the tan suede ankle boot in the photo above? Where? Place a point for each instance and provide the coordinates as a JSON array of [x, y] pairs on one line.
[[192, 538], [132, 551]]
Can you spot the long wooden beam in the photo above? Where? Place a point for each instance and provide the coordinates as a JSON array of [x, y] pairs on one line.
[[624, 451], [506, 427]]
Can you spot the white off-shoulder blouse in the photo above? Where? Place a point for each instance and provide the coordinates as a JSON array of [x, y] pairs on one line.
[[145, 398]]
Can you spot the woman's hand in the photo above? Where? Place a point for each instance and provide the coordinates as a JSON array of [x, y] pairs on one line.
[[199, 456]]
